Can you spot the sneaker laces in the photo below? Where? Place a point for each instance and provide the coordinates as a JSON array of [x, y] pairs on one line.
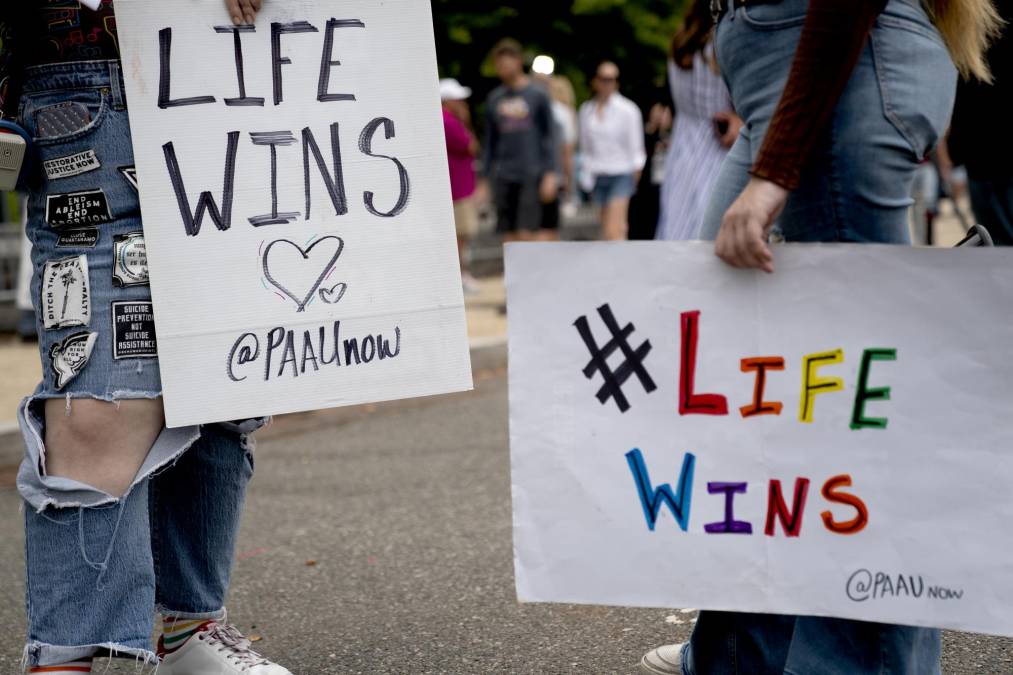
[[236, 646]]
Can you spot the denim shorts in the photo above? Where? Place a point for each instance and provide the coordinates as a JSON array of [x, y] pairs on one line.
[[609, 188], [89, 279]]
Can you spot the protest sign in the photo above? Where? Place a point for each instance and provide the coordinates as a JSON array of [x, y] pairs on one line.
[[833, 439], [298, 227]]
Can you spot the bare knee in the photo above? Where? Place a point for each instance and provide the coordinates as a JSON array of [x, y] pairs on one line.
[[100, 443]]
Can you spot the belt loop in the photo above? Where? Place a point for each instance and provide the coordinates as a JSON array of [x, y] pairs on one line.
[[116, 86]]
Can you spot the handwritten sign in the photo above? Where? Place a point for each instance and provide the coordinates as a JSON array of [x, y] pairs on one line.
[[298, 230], [833, 439]]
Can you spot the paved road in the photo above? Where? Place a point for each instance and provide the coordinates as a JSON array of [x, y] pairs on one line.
[[379, 542]]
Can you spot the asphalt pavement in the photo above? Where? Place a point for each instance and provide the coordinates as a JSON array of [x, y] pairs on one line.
[[378, 540]]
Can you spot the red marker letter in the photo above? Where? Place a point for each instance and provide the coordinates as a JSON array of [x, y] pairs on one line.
[[791, 521], [761, 364], [830, 493], [690, 403]]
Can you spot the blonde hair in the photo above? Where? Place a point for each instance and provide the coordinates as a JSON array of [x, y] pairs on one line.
[[968, 28], [561, 90]]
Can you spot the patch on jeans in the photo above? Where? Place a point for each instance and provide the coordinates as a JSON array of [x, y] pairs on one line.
[[71, 165], [61, 119], [69, 357], [133, 330], [66, 295], [78, 208], [130, 260], [130, 175], [83, 237]]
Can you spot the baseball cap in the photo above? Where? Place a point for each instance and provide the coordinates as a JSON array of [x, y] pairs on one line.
[[452, 90]]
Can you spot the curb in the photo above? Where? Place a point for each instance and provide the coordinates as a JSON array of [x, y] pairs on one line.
[[486, 354]]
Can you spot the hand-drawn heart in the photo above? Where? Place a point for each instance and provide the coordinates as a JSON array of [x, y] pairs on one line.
[[300, 271], [333, 294]]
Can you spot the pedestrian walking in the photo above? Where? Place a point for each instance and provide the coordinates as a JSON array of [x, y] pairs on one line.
[[980, 140], [705, 126], [645, 205], [841, 100], [122, 515], [519, 153], [564, 117], [612, 150], [462, 149]]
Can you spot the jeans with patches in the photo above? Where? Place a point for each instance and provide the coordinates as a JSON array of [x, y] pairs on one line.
[[98, 565]]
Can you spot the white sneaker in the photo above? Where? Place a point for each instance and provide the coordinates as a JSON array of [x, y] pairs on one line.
[[216, 649], [665, 660]]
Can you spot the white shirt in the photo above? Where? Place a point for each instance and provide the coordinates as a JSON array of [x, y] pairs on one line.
[[611, 138]]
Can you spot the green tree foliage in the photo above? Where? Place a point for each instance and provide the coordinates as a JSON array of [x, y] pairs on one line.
[[578, 34]]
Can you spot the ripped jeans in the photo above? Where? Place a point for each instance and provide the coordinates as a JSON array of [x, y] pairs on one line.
[[97, 565]]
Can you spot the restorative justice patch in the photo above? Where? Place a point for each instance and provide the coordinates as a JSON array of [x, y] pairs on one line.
[[69, 357], [87, 207], [133, 330], [66, 295], [71, 165], [130, 260]]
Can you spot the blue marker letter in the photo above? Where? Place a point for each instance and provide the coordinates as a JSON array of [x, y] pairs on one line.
[[652, 498]]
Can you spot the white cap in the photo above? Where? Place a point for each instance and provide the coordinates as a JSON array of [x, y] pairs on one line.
[[91, 4], [451, 90]]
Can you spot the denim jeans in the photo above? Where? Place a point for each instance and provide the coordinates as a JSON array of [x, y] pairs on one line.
[[98, 565], [856, 188]]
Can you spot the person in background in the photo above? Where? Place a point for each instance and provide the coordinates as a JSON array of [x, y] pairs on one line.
[[462, 148], [519, 153], [612, 150], [841, 100], [704, 129], [644, 205], [564, 112], [980, 138], [123, 517]]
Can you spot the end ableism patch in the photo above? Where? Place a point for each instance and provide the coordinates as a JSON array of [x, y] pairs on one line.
[[298, 229]]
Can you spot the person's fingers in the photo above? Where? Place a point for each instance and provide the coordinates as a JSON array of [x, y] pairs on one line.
[[249, 10], [232, 6], [761, 254]]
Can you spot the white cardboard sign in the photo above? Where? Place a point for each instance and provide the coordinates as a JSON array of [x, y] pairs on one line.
[[834, 439], [296, 201]]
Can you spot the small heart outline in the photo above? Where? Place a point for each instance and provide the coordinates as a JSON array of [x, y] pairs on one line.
[[301, 304], [325, 292]]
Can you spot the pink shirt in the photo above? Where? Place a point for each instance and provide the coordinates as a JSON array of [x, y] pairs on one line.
[[459, 157]]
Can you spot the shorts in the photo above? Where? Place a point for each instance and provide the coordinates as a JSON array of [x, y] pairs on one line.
[[518, 206], [466, 217], [610, 188]]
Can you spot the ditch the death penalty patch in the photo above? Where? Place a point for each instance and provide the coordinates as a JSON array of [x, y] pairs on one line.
[[88, 207], [66, 296], [69, 357], [71, 165], [133, 330]]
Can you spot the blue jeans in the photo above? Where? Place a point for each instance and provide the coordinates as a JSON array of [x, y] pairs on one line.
[[856, 188], [612, 187], [98, 565]]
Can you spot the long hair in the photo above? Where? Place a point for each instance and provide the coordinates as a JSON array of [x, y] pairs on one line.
[[967, 27], [694, 34]]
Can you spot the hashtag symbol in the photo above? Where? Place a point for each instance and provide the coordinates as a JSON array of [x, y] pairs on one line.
[[612, 381]]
